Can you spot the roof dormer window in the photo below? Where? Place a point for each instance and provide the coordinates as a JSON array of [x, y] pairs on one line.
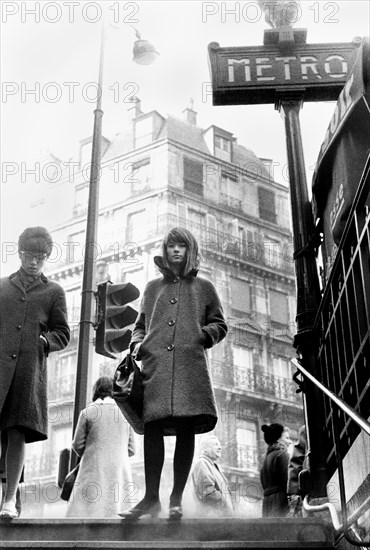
[[143, 132], [222, 148]]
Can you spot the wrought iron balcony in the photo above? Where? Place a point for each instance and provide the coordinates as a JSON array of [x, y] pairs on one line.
[[211, 241], [256, 382]]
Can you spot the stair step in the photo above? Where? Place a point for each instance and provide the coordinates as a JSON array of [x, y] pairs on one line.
[[188, 534]]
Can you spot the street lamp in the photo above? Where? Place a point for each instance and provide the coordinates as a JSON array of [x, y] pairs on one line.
[[144, 54]]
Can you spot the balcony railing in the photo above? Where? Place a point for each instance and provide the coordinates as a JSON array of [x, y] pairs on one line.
[[247, 457], [211, 241], [257, 382]]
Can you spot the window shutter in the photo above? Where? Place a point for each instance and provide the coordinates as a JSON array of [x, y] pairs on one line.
[[266, 205], [279, 307], [240, 296], [193, 176]]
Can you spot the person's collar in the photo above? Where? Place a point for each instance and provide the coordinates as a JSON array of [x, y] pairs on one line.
[[158, 260], [107, 399], [41, 276], [206, 455]]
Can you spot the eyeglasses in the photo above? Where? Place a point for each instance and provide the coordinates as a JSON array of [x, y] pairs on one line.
[[29, 256]]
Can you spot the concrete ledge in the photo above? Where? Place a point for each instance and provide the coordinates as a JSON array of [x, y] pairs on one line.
[[147, 533]]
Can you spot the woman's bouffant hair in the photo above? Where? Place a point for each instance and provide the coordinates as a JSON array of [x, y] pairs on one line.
[[272, 433], [103, 387], [180, 235]]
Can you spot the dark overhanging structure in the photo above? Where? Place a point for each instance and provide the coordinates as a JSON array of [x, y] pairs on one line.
[[286, 71]]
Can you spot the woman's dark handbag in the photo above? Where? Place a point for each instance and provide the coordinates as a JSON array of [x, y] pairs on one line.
[[128, 392], [69, 483]]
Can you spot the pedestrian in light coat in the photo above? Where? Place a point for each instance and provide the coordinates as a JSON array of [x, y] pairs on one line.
[[33, 323], [210, 487], [104, 441], [180, 317], [274, 472]]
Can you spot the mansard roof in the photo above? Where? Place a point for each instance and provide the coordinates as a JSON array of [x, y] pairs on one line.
[[186, 134]]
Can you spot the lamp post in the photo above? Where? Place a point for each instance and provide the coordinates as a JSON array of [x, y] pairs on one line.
[[144, 54]]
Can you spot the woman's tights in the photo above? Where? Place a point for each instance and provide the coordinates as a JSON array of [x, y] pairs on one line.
[[154, 459]]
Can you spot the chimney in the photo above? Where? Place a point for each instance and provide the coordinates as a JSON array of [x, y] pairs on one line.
[[135, 110], [189, 114]]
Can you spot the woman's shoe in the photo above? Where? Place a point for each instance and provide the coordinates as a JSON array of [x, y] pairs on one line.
[[8, 512], [175, 512], [142, 509]]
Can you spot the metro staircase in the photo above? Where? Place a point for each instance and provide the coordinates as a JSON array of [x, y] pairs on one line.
[[187, 534]]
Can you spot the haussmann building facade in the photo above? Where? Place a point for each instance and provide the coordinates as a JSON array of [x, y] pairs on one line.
[[160, 173]]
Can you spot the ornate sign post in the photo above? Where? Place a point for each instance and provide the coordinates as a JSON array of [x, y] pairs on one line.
[[286, 71]]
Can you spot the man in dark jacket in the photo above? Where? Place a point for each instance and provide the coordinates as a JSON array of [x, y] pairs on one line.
[[33, 323]]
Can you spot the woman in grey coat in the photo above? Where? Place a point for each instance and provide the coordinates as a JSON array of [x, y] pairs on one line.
[[180, 317], [33, 323]]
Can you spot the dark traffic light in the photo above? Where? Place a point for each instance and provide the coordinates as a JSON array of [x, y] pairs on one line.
[[114, 317]]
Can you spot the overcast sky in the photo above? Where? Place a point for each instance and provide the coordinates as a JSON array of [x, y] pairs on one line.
[[47, 46]]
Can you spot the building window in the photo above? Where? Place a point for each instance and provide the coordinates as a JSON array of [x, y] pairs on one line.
[[266, 205], [230, 190], [197, 224], [81, 199], [222, 148], [85, 155], [193, 176], [73, 299], [75, 247], [62, 386], [246, 440], [243, 357], [282, 367], [143, 132], [243, 368], [273, 252], [136, 226], [279, 310], [140, 176], [240, 297]]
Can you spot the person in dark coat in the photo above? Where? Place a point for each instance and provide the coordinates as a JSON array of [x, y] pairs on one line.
[[180, 317], [33, 323], [274, 472]]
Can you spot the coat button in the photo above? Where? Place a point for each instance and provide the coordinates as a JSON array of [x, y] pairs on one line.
[[173, 301], [171, 323], [170, 347], [19, 327], [14, 356]]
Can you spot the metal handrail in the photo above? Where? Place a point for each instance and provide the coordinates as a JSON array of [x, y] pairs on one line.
[[361, 422], [365, 426]]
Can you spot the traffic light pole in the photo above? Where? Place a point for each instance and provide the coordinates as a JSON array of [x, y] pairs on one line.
[[86, 333], [308, 289]]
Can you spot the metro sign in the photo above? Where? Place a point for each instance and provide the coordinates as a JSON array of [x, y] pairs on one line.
[[257, 74]]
